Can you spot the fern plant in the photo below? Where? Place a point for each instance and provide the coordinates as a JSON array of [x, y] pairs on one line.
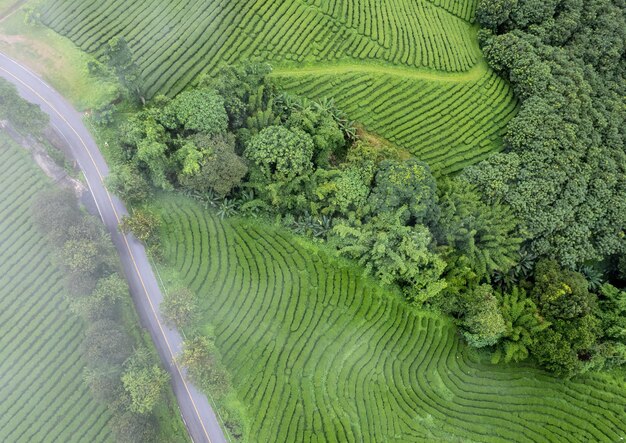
[[523, 324]]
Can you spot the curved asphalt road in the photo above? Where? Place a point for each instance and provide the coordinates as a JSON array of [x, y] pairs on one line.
[[198, 415]]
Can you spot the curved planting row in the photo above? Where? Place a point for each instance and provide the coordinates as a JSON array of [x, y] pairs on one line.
[[319, 353], [449, 124], [465, 10], [175, 41], [42, 396]]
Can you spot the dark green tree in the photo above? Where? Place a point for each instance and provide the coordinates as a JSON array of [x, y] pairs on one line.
[[281, 165], [220, 169], [196, 110], [487, 234], [327, 137], [407, 184], [119, 56], [395, 253], [523, 323], [483, 324]]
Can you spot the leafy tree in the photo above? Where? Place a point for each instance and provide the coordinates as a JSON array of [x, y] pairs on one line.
[[561, 293], [612, 314], [203, 361], [105, 343], [281, 163], [129, 184], [246, 90], [280, 154], [105, 382], [119, 56], [483, 324], [260, 109], [53, 211], [395, 253], [179, 307], [145, 386], [130, 427], [563, 172], [407, 184], [567, 346], [341, 191], [143, 224], [25, 117], [197, 110], [492, 14], [220, 169], [101, 303], [488, 235], [324, 131], [523, 323], [80, 256]]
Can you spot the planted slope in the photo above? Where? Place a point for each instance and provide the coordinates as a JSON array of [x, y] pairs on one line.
[[42, 395], [449, 122], [403, 53], [319, 353]]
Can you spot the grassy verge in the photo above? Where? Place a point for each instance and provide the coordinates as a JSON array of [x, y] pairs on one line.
[[55, 58]]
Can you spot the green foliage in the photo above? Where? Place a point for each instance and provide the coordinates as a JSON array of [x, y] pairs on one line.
[[25, 117], [395, 253], [405, 184], [484, 323], [53, 211], [280, 154], [129, 184], [220, 169], [179, 307], [182, 141], [197, 110], [143, 224], [488, 235], [324, 131], [563, 299], [118, 55], [106, 343], [612, 314], [202, 359], [561, 293], [246, 92], [523, 324], [564, 175], [130, 427], [281, 162], [145, 386]]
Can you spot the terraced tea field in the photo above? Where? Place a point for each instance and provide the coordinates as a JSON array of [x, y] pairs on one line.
[[42, 395], [410, 70], [320, 353]]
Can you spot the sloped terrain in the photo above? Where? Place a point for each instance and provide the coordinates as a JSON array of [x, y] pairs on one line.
[[397, 59], [320, 353]]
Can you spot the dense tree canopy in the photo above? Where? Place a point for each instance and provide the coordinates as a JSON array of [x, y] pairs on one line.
[[564, 172]]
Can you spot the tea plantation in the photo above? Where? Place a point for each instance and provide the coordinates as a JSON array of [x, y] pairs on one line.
[[42, 394], [398, 66], [319, 353]]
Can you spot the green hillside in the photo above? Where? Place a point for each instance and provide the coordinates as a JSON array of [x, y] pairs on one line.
[[42, 394], [319, 353], [409, 70]]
